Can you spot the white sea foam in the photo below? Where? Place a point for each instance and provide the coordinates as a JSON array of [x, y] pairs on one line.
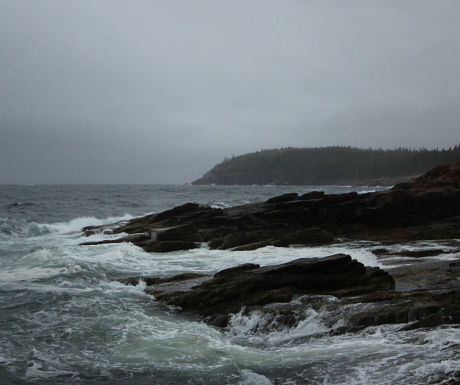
[[77, 224], [248, 377], [20, 228], [30, 273], [259, 328], [204, 260], [102, 328]]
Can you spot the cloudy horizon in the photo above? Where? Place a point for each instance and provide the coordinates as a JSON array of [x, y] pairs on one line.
[[160, 91]]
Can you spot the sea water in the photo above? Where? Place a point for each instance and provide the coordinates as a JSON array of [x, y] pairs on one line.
[[65, 319]]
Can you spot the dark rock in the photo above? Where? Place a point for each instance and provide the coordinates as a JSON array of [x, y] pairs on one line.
[[345, 291], [453, 378], [437, 315], [418, 309], [312, 195], [443, 177], [185, 208], [283, 198], [411, 253], [420, 253], [167, 246], [380, 251], [309, 236], [426, 208], [428, 276], [156, 280], [219, 321], [248, 285], [182, 233], [237, 269], [135, 238], [257, 245], [334, 199], [238, 238], [421, 295]]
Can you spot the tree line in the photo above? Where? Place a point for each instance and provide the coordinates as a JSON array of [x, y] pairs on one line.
[[326, 165]]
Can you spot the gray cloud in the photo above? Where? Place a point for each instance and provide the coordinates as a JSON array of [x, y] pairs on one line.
[[158, 91]]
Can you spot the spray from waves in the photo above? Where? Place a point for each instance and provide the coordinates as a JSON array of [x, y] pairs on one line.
[[75, 225], [274, 324], [32, 252], [20, 228]]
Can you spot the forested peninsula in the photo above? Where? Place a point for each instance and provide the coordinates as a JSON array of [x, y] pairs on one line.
[[334, 165]]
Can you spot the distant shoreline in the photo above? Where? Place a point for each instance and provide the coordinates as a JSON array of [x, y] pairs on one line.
[[332, 166], [382, 182]]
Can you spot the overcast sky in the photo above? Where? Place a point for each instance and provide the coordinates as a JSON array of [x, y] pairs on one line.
[[152, 91]]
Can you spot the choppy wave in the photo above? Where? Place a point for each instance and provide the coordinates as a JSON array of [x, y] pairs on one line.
[[65, 319], [20, 228], [75, 225], [283, 323], [74, 324]]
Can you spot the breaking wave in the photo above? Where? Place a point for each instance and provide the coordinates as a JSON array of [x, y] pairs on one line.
[[66, 319], [20, 228], [75, 225], [283, 322]]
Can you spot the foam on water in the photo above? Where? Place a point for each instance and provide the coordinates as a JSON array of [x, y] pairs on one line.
[[203, 260], [248, 377], [263, 329], [20, 228], [64, 319], [450, 251], [75, 225]]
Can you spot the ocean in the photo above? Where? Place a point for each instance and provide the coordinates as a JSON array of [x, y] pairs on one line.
[[65, 319]]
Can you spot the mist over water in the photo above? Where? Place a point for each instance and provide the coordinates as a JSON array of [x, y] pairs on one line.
[[64, 319]]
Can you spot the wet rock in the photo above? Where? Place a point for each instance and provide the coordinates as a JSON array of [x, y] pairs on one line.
[[283, 198], [249, 285], [426, 208], [340, 290], [167, 246], [420, 253], [134, 281], [380, 251], [417, 309], [423, 253], [312, 195], [237, 269], [453, 378], [134, 238]]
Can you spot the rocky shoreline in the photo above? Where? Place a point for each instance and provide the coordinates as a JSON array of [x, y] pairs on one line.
[[349, 295], [421, 295], [427, 207]]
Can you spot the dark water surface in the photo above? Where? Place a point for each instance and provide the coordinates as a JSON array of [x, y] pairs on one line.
[[56, 203]]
